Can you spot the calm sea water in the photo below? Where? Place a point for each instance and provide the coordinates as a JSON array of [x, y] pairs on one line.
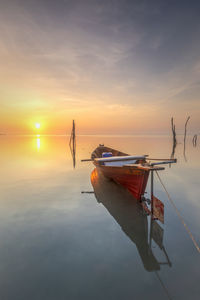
[[59, 243]]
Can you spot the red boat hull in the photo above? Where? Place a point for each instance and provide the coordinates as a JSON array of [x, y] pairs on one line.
[[134, 180]]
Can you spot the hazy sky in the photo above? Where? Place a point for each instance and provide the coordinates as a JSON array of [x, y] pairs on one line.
[[115, 66]]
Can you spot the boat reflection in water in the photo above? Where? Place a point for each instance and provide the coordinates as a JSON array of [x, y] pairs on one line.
[[129, 214]]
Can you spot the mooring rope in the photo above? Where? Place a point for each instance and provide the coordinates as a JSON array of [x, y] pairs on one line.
[[179, 215], [164, 287]]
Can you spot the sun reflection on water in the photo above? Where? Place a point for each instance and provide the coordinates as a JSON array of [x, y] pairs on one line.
[[38, 143]]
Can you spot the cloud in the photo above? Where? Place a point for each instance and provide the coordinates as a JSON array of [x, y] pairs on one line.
[[79, 55]]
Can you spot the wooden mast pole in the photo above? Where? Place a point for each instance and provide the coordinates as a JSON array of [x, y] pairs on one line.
[[152, 193], [151, 220]]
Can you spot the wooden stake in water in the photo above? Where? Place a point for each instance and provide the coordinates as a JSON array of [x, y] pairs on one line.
[[72, 143]]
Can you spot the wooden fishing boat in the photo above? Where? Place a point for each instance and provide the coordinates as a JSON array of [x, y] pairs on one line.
[[132, 172]]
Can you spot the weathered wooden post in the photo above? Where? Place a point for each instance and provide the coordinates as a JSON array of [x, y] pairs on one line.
[[173, 131], [72, 143], [186, 129], [174, 138], [185, 133]]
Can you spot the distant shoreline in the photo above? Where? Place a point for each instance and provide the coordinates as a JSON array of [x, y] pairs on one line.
[[97, 135]]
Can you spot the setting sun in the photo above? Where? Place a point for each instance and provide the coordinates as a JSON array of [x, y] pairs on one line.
[[37, 125]]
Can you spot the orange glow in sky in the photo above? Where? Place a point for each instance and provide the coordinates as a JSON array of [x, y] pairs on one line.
[[116, 77]]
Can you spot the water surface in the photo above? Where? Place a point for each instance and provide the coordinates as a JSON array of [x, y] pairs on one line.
[[57, 243]]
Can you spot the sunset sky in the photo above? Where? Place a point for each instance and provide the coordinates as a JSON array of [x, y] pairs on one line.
[[116, 67]]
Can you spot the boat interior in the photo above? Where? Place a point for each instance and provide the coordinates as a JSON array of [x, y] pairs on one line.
[[110, 157]]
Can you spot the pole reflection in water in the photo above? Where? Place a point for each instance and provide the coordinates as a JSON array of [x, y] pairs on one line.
[[173, 150], [129, 214]]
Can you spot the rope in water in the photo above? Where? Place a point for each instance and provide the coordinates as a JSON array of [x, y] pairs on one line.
[[179, 215], [164, 287]]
